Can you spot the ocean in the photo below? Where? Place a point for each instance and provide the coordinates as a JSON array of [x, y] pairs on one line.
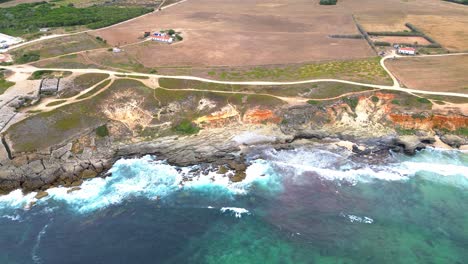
[[305, 205]]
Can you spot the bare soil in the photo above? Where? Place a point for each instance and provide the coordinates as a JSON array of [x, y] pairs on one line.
[[443, 74], [244, 32], [443, 21]]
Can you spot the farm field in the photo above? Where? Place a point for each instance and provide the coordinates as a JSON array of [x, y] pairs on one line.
[[263, 33], [445, 22], [447, 74], [398, 39], [218, 33]]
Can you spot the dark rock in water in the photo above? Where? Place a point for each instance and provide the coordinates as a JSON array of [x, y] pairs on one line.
[[41, 194], [88, 174], [73, 189], [453, 140], [409, 144], [238, 176]]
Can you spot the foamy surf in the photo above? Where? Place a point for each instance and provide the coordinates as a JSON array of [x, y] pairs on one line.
[[148, 178], [237, 212], [153, 179]]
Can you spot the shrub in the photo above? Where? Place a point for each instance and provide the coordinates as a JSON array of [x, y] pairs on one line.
[[352, 102], [28, 57], [179, 37], [374, 99], [186, 127], [382, 43], [328, 2], [423, 101], [171, 32], [102, 131]]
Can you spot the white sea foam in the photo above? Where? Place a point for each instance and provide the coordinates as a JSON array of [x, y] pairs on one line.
[[12, 217], [358, 219], [144, 177], [34, 254], [16, 200], [236, 211]]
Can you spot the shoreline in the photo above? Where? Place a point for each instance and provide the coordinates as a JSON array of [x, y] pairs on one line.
[[222, 152]]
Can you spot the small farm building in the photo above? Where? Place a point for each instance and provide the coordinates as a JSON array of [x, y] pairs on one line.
[[407, 51], [161, 37]]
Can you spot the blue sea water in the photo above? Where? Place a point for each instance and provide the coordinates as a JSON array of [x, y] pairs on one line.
[[306, 205]]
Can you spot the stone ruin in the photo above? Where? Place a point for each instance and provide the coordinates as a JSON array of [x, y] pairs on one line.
[[49, 86]]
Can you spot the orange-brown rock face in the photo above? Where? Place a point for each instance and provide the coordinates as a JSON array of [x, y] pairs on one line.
[[256, 116], [436, 121]]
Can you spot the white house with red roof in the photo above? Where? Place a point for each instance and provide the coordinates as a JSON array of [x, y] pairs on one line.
[[162, 37], [407, 51]]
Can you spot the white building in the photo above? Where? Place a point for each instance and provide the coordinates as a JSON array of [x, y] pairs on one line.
[[162, 37], [407, 51], [7, 41]]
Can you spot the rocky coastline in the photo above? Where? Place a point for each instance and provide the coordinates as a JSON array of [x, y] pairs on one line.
[[61, 167], [367, 129]]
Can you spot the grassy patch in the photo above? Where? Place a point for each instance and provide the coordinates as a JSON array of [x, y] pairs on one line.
[[102, 131], [83, 82], [132, 76], [55, 103], [320, 90], [37, 75], [94, 90], [451, 99], [352, 102], [57, 47], [27, 57], [4, 84], [186, 127], [424, 101], [363, 70]]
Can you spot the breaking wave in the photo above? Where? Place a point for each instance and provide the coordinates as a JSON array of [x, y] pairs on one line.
[[154, 179], [237, 212]]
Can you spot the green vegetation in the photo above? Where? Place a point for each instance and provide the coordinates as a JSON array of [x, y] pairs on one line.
[[102, 131], [28, 18], [37, 75], [83, 82], [186, 127], [375, 99], [424, 101], [132, 76], [451, 99], [363, 70], [58, 46], [58, 102], [352, 102], [94, 90], [405, 132], [321, 90], [408, 101], [463, 2], [27, 57], [4, 84], [328, 2]]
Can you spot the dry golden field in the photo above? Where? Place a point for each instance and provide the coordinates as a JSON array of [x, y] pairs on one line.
[[264, 32], [444, 74]]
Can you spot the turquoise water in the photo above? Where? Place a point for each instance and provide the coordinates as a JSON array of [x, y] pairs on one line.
[[295, 206]]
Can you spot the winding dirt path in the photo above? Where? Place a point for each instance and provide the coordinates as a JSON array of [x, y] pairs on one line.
[[394, 87]]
